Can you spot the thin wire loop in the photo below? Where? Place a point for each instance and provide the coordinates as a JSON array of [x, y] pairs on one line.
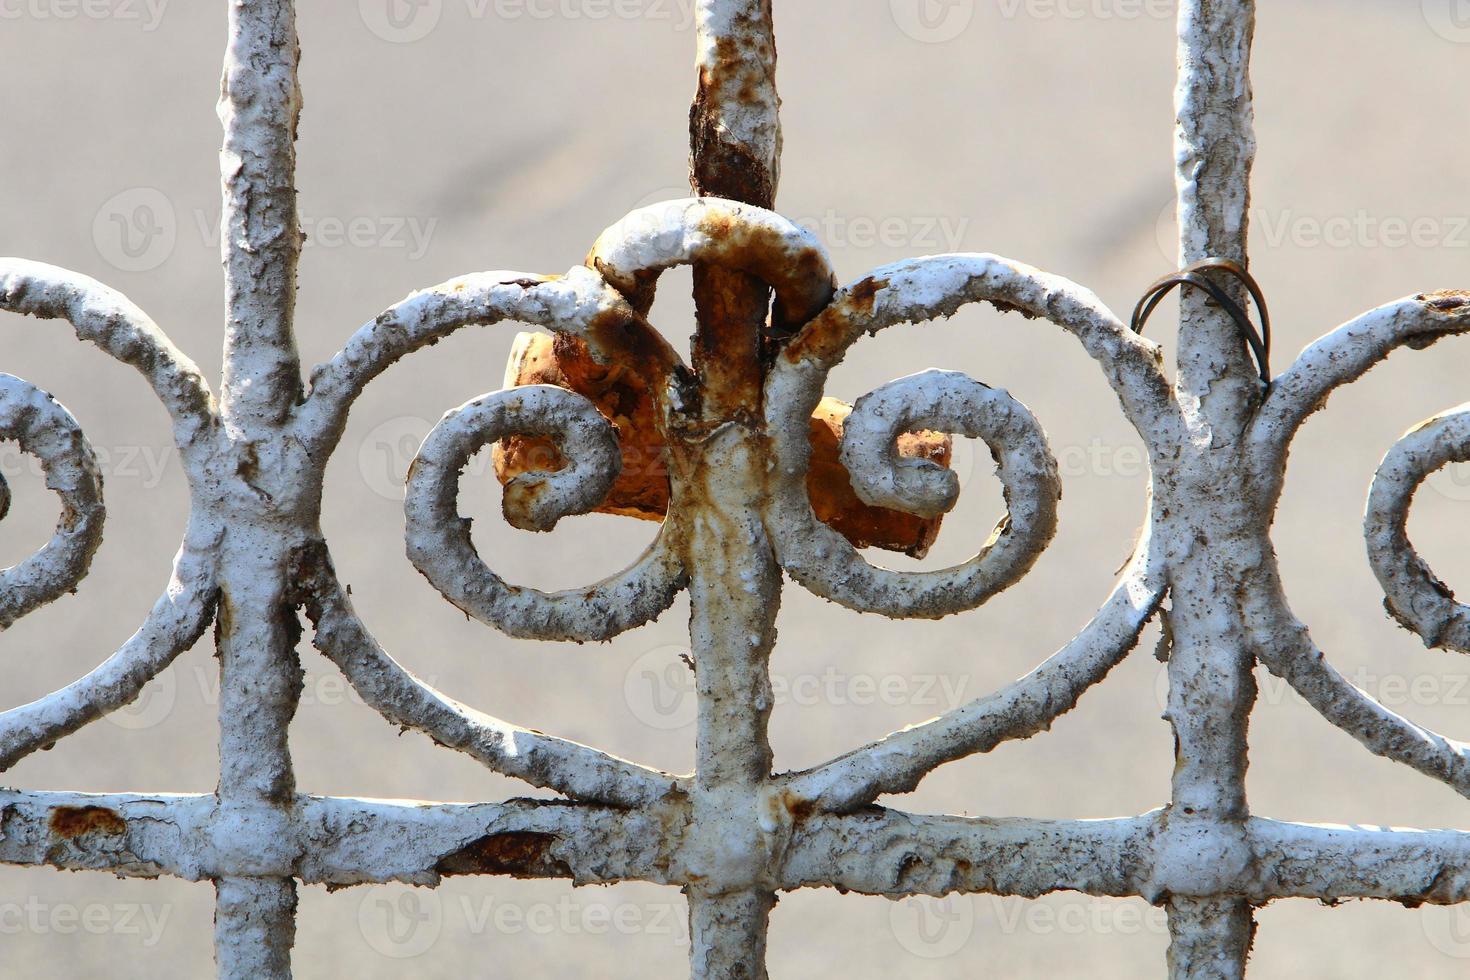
[[1193, 275]]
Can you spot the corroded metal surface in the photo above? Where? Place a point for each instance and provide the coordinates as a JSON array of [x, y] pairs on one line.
[[753, 475]]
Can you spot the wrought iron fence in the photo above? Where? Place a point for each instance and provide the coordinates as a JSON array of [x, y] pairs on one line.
[[746, 491]]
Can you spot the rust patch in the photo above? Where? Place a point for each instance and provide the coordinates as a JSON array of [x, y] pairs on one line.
[[1445, 300], [71, 822], [519, 853], [632, 340], [862, 294], [623, 395], [829, 486], [800, 276], [799, 807], [642, 489], [832, 326], [720, 166], [731, 307], [821, 338]]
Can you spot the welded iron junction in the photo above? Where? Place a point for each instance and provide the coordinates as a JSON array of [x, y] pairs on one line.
[[757, 477]]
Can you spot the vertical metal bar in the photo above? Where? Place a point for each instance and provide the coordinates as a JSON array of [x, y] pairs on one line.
[[1218, 536], [735, 150], [257, 630], [735, 583], [260, 103]]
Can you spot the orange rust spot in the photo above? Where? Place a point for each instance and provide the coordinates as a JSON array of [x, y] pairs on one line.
[[720, 166], [801, 277], [862, 294], [1445, 300], [822, 336], [622, 394], [518, 853], [799, 808], [629, 340], [829, 486], [71, 822], [726, 352], [642, 488]]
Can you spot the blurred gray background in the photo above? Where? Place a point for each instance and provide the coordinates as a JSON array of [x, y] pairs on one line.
[[447, 136]]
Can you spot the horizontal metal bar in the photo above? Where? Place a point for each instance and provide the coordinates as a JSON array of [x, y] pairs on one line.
[[332, 841], [342, 842]]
